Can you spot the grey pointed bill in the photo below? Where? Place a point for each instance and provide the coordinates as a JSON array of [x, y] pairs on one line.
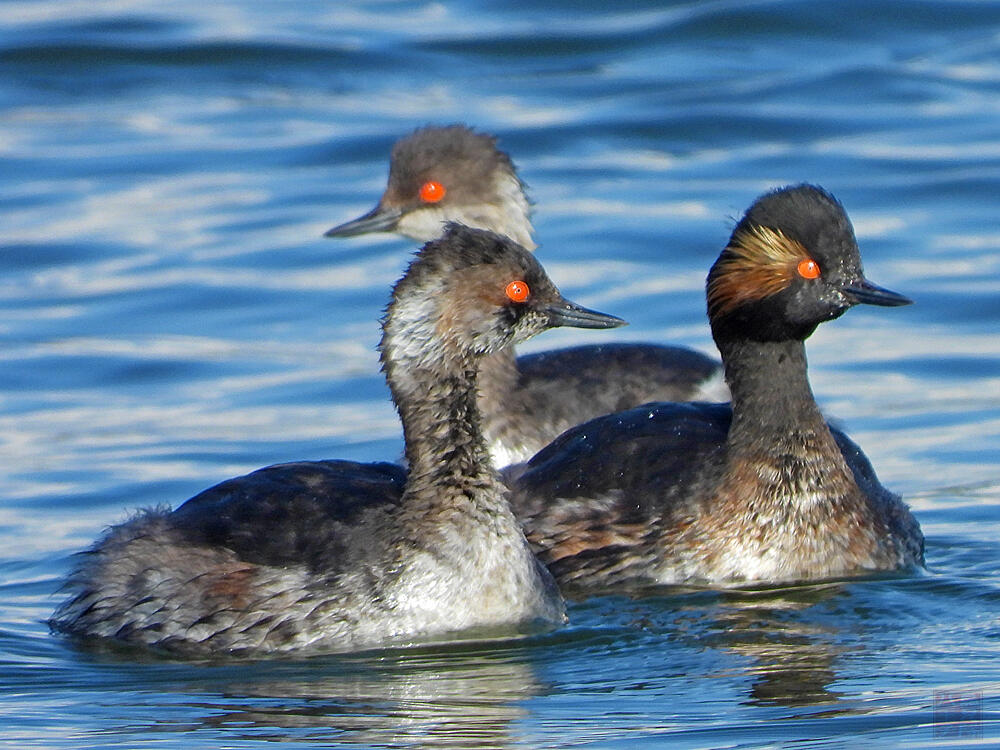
[[379, 219], [566, 313], [867, 293]]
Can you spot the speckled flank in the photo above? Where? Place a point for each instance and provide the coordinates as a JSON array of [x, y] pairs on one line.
[[782, 515]]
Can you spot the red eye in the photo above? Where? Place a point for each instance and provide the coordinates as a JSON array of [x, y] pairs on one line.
[[432, 192], [808, 269], [517, 291]]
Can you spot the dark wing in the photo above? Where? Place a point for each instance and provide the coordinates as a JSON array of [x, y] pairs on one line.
[[296, 513], [639, 373], [625, 452], [559, 389], [597, 494]]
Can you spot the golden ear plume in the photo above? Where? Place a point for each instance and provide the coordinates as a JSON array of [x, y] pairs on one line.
[[758, 262]]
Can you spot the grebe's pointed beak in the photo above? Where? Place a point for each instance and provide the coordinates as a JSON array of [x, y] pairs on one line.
[[379, 219], [867, 293], [566, 313]]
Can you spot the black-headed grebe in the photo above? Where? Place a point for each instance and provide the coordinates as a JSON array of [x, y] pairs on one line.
[[764, 491], [337, 555], [452, 173]]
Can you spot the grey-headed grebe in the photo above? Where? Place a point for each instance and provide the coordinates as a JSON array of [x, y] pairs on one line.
[[762, 491], [440, 174], [338, 555]]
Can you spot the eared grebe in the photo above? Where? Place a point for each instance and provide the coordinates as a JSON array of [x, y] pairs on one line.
[[440, 174], [338, 555], [447, 174], [761, 491]]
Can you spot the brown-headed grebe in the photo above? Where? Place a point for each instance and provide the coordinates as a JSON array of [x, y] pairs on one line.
[[440, 174], [338, 555], [761, 491]]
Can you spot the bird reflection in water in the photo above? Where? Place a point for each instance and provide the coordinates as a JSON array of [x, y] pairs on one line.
[[788, 643], [434, 697], [794, 656]]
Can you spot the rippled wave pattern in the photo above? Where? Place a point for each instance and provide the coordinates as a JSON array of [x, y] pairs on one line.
[[170, 316]]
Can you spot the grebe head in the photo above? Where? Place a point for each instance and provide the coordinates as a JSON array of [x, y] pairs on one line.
[[472, 293], [447, 174], [792, 263]]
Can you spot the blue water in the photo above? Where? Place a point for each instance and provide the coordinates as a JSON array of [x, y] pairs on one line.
[[170, 316]]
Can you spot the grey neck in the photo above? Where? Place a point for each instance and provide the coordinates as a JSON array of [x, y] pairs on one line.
[[447, 458]]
